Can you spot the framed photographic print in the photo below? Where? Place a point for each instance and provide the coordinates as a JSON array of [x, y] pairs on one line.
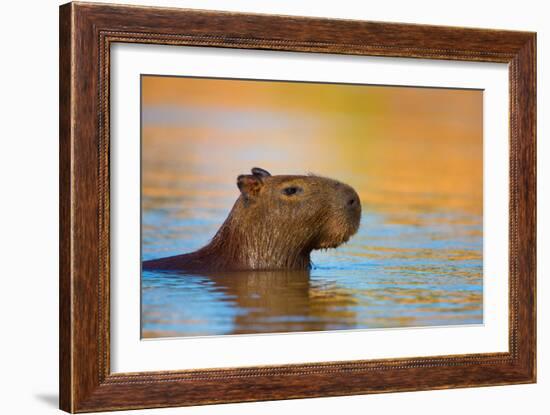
[[259, 207]]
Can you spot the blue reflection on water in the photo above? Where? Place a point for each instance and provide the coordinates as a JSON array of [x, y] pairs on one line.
[[388, 275]]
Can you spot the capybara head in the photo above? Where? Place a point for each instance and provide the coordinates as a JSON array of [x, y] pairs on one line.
[[275, 224], [301, 212]]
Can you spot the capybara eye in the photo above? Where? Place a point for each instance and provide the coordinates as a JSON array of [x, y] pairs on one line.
[[292, 190]]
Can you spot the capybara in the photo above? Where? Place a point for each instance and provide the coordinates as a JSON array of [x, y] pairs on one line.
[[275, 224]]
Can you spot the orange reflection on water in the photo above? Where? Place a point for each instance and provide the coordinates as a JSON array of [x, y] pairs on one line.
[[414, 155]]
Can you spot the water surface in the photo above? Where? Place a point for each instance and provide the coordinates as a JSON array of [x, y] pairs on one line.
[[413, 155]]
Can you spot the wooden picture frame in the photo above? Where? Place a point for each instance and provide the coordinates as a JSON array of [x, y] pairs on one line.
[[86, 33]]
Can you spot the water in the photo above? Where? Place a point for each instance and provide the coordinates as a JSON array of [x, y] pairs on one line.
[[413, 155], [390, 276]]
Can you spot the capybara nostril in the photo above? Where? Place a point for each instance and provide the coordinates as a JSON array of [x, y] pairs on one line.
[[352, 201]]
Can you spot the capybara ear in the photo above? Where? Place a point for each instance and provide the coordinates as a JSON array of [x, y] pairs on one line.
[[249, 185], [257, 171]]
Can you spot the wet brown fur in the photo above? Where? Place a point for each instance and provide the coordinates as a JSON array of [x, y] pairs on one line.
[[268, 229]]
